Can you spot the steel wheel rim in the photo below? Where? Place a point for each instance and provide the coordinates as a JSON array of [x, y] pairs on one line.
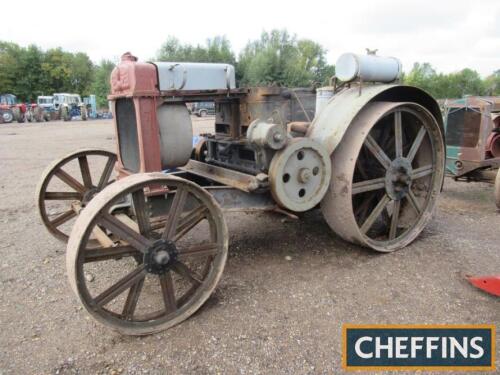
[[423, 141], [186, 304], [50, 173]]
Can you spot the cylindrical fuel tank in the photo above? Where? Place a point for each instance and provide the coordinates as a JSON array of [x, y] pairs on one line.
[[370, 68], [323, 95], [176, 134]]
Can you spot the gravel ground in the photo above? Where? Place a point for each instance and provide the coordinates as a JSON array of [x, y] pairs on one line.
[[287, 288]]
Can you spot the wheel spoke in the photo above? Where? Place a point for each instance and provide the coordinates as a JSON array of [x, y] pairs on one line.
[[97, 255], [167, 292], [422, 171], [61, 219], [124, 232], [185, 272], [377, 151], [132, 299], [175, 213], [70, 181], [200, 250], [361, 170], [398, 134], [141, 211], [413, 201], [62, 196], [394, 220], [106, 173], [189, 221], [375, 214], [119, 287], [368, 185], [84, 168], [416, 143], [362, 208]]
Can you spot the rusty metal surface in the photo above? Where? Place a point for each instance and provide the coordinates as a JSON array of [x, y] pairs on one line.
[[471, 140], [329, 127], [135, 238], [225, 176], [80, 193], [355, 201]]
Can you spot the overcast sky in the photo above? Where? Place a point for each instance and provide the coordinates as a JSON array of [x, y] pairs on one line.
[[451, 35]]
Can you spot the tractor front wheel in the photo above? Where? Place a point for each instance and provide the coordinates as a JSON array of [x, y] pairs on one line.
[[168, 247]]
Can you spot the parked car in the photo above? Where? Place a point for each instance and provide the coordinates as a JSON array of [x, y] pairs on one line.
[[203, 109]]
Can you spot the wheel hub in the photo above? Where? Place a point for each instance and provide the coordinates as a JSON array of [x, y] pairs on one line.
[[299, 174], [398, 178], [89, 194], [160, 256]]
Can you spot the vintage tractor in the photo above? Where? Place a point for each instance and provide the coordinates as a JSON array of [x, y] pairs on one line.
[[473, 140], [69, 105], [11, 110], [473, 153], [146, 251], [49, 110]]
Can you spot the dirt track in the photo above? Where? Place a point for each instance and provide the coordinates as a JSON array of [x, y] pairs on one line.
[[287, 288]]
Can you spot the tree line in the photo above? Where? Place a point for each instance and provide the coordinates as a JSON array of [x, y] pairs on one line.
[[276, 58]]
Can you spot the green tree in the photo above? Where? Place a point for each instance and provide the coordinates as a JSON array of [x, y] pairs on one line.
[[100, 86], [453, 85], [81, 73], [279, 58], [492, 83], [9, 70], [423, 76], [217, 49], [465, 82]]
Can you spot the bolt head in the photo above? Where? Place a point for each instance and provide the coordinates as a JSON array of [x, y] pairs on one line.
[[162, 257], [305, 175]]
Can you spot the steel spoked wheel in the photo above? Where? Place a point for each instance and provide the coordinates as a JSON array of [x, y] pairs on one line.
[[387, 174], [168, 247], [68, 184]]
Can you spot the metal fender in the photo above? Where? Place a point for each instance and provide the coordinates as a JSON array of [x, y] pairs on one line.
[[330, 125]]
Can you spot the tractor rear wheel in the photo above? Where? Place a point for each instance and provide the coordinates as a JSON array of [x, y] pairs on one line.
[[386, 175], [65, 114], [7, 116]]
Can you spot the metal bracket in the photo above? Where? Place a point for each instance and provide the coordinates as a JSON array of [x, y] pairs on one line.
[[238, 180]]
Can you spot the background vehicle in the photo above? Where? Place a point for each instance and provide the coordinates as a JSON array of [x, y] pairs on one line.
[[203, 109], [473, 140], [69, 106], [49, 110], [11, 110]]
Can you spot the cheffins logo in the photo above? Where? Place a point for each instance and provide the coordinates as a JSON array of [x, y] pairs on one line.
[[418, 347]]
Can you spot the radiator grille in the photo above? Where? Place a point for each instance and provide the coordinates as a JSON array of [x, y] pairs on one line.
[[463, 126], [127, 134]]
